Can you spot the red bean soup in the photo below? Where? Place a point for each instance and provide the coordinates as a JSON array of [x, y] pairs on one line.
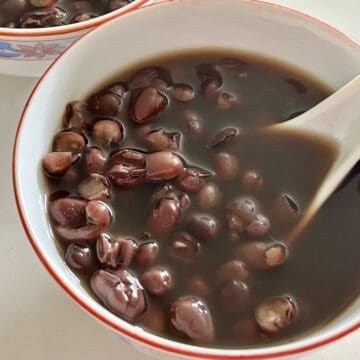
[[48, 13], [173, 205]]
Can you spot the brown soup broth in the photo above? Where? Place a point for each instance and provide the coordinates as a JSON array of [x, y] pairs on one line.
[[322, 270]]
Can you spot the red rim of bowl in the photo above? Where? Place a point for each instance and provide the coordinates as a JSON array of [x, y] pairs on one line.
[[142, 338], [71, 28]]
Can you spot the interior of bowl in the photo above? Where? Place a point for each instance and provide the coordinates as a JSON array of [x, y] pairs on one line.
[[247, 26], [73, 27]]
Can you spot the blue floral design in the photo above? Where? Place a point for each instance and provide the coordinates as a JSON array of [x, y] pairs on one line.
[[6, 50]]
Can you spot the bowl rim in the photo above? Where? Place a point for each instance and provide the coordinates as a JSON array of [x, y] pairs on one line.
[[72, 28], [164, 344]]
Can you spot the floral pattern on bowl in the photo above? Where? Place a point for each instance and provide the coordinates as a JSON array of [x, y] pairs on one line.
[[46, 50], [36, 51]]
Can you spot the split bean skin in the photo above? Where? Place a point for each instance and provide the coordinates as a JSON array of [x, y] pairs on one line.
[[49, 13], [173, 210]]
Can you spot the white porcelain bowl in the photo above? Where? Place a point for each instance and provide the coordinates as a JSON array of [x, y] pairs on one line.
[[251, 26], [28, 52]]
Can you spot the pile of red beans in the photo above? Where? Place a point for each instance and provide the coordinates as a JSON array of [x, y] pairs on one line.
[[116, 160], [49, 13]]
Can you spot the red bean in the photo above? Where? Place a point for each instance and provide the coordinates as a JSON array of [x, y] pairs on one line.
[[210, 87], [240, 213], [164, 217], [207, 70], [125, 253], [192, 179], [95, 160], [193, 124], [222, 136], [105, 104], [159, 84], [146, 254], [227, 100], [158, 140], [191, 316], [79, 256], [157, 281], [211, 79], [183, 92], [129, 157], [185, 201], [146, 76], [259, 226], [115, 253], [276, 255], [143, 77], [43, 17], [56, 164], [121, 293], [252, 181], [227, 166], [107, 132], [261, 255], [69, 141], [104, 248], [117, 88], [232, 270], [95, 187], [69, 212], [170, 192], [78, 116], [165, 191], [184, 247], [127, 168], [203, 227], [163, 165], [208, 197], [148, 104], [98, 213], [108, 101], [275, 314], [125, 175]]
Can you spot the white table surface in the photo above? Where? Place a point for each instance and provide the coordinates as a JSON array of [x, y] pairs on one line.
[[38, 321]]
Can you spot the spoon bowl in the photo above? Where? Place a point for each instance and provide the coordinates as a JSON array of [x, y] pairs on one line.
[[337, 120]]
